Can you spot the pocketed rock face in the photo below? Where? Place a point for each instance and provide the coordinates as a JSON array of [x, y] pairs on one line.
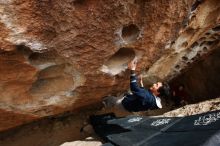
[[58, 56], [198, 38]]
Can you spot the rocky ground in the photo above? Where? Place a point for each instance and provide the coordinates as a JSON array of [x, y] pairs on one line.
[[90, 141], [75, 130], [197, 108], [191, 109]]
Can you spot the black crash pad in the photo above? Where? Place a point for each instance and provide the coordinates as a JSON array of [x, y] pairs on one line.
[[135, 122], [191, 138], [205, 121], [202, 129]]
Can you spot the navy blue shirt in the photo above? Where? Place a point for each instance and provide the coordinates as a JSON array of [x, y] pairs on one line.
[[140, 99]]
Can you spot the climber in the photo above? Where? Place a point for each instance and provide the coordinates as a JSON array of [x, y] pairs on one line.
[[140, 99]]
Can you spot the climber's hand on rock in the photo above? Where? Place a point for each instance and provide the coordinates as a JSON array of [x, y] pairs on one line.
[[132, 65]]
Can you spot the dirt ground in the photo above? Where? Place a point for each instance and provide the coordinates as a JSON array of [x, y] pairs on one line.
[[75, 130]]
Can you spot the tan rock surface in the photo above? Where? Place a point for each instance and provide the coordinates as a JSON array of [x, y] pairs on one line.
[[87, 142], [58, 56], [193, 109]]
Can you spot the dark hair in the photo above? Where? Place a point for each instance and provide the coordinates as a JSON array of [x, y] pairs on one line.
[[164, 90]]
